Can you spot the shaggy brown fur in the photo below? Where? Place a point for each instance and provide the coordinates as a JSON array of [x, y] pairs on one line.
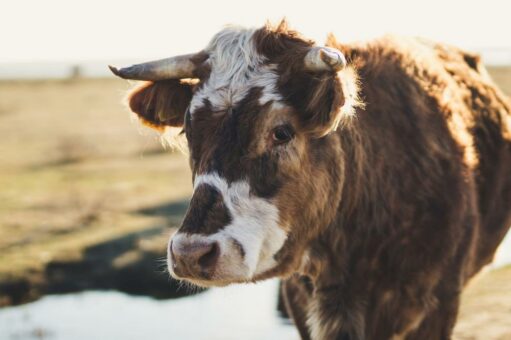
[[426, 201], [391, 213]]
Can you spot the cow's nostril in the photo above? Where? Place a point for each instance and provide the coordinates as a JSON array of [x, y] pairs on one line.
[[209, 259], [193, 258]]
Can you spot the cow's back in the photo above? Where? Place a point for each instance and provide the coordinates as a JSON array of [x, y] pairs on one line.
[[489, 124], [491, 131], [431, 102]]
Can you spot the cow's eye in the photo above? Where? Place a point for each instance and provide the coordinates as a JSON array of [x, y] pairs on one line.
[[282, 134]]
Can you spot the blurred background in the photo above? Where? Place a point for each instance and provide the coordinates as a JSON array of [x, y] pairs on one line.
[[88, 197]]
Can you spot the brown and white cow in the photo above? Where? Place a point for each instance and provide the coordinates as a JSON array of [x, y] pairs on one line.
[[374, 214]]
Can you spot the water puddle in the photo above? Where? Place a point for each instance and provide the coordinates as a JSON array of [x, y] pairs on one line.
[[236, 312]]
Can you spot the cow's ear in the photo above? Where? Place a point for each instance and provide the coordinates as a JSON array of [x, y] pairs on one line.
[[162, 103], [331, 100]]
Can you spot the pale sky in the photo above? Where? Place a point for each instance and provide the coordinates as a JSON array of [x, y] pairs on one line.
[[82, 30]]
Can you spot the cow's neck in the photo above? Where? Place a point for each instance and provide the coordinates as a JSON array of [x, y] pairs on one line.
[[331, 261]]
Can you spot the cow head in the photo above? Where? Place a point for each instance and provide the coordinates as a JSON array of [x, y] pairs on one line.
[[258, 107]]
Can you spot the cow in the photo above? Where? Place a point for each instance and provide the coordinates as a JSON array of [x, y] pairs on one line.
[[375, 182]]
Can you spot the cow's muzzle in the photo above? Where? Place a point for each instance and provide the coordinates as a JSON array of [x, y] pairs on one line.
[[206, 260]]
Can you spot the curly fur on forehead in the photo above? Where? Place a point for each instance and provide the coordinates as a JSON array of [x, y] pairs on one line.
[[236, 67], [232, 53]]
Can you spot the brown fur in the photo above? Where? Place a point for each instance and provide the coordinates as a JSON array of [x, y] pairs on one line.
[[390, 215], [161, 103], [411, 227]]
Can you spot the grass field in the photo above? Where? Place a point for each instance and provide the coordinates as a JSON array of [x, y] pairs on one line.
[[76, 173]]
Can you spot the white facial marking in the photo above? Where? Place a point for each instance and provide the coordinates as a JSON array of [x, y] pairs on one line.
[[236, 67], [254, 224], [269, 85]]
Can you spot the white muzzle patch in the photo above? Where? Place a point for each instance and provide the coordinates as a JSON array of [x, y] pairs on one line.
[[254, 228]]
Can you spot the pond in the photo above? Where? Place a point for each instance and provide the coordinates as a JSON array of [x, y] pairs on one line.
[[235, 312]]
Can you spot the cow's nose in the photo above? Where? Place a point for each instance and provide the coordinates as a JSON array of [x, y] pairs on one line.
[[194, 259]]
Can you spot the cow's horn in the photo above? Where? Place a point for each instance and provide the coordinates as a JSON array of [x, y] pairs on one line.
[[170, 68], [324, 59]]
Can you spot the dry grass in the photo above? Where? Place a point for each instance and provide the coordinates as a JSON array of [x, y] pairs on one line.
[[486, 308], [72, 160], [502, 76], [75, 171]]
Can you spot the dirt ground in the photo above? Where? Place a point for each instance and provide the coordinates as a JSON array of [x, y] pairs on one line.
[[79, 178]]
